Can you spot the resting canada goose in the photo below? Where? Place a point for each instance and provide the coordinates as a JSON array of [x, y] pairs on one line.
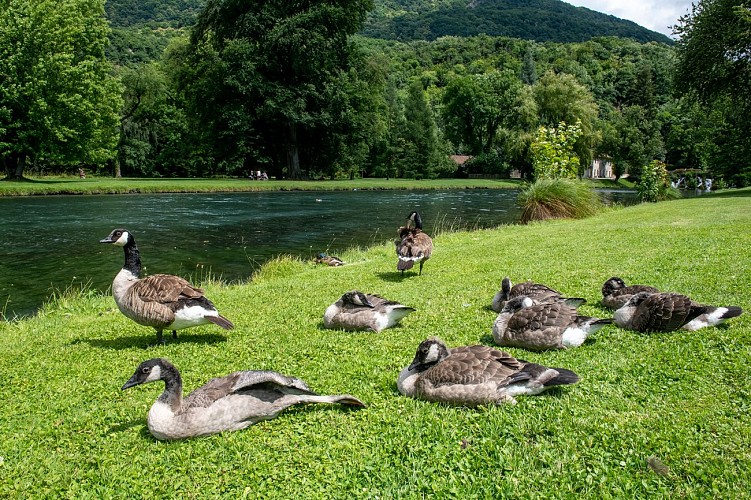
[[537, 327], [475, 375], [329, 260], [228, 403], [360, 311], [665, 312], [538, 292], [162, 301], [413, 245], [615, 293]]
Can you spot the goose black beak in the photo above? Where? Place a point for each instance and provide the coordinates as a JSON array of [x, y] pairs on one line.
[[130, 383], [106, 240]]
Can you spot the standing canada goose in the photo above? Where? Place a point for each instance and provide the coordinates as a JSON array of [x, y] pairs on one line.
[[537, 327], [475, 375], [162, 301], [413, 245], [538, 292], [329, 260], [665, 312], [228, 403], [359, 311], [615, 293]]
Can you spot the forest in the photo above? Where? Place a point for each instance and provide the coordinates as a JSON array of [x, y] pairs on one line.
[[181, 89]]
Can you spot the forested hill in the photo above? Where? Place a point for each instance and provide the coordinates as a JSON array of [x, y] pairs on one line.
[[541, 20]]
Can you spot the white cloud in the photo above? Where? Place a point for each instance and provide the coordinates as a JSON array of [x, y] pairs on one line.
[[656, 15]]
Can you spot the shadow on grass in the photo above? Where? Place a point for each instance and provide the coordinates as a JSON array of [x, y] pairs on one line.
[[122, 427], [396, 276], [144, 341], [26, 180]]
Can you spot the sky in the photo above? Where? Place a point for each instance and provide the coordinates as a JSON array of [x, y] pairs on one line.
[[656, 15]]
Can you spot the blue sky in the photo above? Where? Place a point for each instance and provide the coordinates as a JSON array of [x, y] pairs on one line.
[[656, 15]]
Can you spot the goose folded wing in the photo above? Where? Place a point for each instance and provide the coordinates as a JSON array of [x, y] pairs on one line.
[[473, 365], [542, 317], [166, 288], [663, 312]]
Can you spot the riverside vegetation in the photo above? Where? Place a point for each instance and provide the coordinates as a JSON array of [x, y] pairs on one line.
[[654, 415]]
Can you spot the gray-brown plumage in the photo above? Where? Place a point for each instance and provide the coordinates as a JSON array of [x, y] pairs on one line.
[[356, 310], [615, 293], [665, 312], [538, 292], [475, 375], [537, 327], [228, 403], [412, 245], [161, 301]]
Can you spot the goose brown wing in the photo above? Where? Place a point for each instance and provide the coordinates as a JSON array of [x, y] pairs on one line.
[[542, 317], [423, 243], [473, 365], [663, 312], [533, 290], [256, 381], [165, 288]]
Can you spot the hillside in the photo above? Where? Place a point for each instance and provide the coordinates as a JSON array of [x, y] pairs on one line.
[[542, 20]]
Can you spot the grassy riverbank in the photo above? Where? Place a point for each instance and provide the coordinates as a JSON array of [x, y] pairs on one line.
[[109, 185], [67, 430]]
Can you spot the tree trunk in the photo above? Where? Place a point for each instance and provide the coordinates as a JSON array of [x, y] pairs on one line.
[[20, 166], [293, 154]]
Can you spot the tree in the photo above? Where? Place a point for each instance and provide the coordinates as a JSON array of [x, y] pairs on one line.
[[553, 154], [477, 107], [288, 53], [424, 156], [58, 100], [714, 64]]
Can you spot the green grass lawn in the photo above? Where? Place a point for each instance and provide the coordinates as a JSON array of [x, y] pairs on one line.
[[51, 185], [66, 429]]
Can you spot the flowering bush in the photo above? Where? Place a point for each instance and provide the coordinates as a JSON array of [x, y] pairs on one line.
[[553, 154]]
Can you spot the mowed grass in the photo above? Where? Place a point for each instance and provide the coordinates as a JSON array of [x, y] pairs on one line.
[[66, 429], [53, 185]]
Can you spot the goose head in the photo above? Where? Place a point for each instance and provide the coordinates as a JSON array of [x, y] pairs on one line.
[[357, 298], [611, 285], [119, 237], [414, 220], [430, 351], [151, 370]]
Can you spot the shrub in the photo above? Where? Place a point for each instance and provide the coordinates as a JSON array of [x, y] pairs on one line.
[[654, 184], [558, 199], [553, 154]]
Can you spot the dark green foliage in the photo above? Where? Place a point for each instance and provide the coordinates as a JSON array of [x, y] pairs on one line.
[[172, 13], [542, 20]]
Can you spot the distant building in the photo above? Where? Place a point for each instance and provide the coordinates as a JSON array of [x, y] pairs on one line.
[[460, 159], [600, 169]]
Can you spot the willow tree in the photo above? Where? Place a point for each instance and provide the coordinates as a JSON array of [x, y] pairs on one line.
[[278, 59], [58, 100]]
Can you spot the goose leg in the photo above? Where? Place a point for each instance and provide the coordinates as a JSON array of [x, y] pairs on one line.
[[174, 334], [420, 273], [159, 337]]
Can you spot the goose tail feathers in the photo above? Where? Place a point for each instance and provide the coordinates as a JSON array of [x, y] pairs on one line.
[[564, 377], [405, 264]]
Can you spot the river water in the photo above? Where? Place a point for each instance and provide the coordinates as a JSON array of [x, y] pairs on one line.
[[50, 243]]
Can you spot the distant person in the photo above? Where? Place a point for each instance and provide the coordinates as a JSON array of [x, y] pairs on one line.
[[81, 173], [264, 176]]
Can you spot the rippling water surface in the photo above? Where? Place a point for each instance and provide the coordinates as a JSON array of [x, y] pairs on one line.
[[51, 242]]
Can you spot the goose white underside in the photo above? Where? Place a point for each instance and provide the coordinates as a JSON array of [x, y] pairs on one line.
[[191, 316], [406, 381], [711, 319], [574, 336]]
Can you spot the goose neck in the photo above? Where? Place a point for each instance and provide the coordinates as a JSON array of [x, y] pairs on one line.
[[173, 388], [132, 259]]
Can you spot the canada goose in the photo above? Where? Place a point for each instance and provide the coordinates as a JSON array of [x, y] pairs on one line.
[[615, 293], [162, 301], [537, 327], [359, 311], [413, 245], [538, 292], [474, 375], [665, 312], [329, 260], [228, 403]]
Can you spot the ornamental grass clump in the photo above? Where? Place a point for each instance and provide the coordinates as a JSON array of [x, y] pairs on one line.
[[558, 199]]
